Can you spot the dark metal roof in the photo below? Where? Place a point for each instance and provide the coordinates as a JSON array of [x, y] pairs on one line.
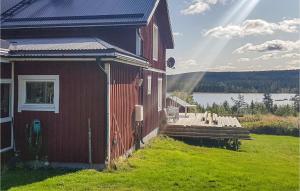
[[4, 46], [7, 4], [65, 47], [39, 13]]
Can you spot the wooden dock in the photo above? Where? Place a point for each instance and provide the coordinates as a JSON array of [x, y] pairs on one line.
[[205, 125]]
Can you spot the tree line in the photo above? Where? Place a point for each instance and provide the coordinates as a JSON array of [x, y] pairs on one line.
[[236, 82], [240, 107]]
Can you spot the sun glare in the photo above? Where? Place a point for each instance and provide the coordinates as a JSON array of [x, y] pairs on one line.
[[236, 15]]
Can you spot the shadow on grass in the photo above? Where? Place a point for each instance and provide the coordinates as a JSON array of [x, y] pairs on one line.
[[22, 176]]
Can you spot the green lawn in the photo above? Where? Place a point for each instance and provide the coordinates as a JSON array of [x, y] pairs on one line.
[[265, 163]]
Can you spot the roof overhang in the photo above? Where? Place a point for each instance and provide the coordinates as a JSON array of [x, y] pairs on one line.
[[105, 57], [83, 48]]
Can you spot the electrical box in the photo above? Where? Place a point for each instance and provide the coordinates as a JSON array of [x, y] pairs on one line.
[[139, 113]]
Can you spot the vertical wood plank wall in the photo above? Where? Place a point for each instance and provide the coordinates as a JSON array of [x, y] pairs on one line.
[[151, 114], [82, 96], [124, 97]]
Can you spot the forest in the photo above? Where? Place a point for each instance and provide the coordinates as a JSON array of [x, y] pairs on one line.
[[286, 81]]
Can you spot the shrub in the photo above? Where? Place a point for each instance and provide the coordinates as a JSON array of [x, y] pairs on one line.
[[270, 124]]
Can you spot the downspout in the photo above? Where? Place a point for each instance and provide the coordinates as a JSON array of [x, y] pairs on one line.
[[106, 71]]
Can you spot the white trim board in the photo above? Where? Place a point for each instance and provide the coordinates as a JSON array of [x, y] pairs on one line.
[[155, 70]]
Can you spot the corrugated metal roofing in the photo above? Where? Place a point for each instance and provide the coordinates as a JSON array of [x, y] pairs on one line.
[[180, 101], [4, 46], [79, 46], [81, 12]]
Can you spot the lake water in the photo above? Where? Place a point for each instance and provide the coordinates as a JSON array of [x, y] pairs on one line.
[[209, 98]]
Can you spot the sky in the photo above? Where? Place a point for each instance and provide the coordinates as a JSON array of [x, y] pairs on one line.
[[234, 35]]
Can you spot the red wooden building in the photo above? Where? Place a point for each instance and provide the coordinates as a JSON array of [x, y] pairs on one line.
[[80, 65]]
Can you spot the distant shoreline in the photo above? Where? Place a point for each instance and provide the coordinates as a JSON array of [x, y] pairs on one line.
[[235, 82], [240, 93]]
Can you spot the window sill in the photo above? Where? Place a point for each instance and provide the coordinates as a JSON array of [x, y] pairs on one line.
[[38, 107]]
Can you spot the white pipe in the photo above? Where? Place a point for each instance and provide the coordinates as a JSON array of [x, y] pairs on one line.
[[107, 70]]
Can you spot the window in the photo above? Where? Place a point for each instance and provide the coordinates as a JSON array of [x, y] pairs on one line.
[[38, 93], [139, 44], [155, 42], [5, 100], [149, 85], [159, 92]]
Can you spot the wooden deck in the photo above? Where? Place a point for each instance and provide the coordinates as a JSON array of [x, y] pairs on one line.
[[205, 125]]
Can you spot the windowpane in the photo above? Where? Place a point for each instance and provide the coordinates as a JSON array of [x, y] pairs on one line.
[[149, 85], [5, 88], [39, 92], [155, 42], [159, 94]]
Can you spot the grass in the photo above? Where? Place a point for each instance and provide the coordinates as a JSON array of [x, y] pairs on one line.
[[265, 163], [271, 124]]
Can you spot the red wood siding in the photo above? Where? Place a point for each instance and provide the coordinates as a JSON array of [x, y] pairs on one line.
[[124, 97], [123, 37], [147, 36], [151, 114], [82, 96], [5, 69]]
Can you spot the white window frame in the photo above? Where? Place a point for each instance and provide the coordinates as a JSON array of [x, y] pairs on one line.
[[23, 106], [11, 108], [155, 42], [9, 118], [149, 85], [159, 94], [138, 50]]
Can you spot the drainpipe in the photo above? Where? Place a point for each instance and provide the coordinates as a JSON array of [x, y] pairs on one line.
[[106, 71]]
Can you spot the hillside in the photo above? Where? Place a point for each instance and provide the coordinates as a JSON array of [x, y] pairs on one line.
[[236, 82]]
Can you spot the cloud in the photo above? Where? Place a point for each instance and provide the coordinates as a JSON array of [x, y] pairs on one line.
[[254, 27], [294, 65], [188, 63], [227, 67], [177, 34], [270, 46], [278, 56], [243, 60], [200, 6]]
